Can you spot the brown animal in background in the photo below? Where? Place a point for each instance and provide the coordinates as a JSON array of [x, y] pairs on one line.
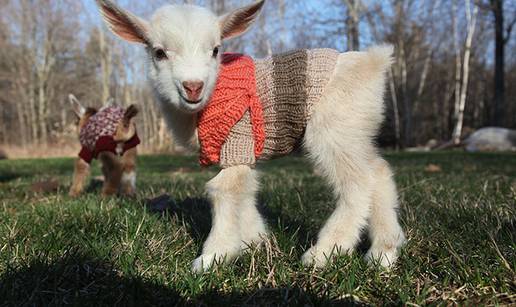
[[109, 135]]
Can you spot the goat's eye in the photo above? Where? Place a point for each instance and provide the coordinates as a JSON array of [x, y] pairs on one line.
[[215, 52], [160, 54]]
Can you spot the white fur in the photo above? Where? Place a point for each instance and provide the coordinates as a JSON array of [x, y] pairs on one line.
[[188, 34], [129, 179], [76, 106], [236, 222], [339, 140]]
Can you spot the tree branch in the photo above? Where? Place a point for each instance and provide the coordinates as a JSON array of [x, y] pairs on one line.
[[510, 26]]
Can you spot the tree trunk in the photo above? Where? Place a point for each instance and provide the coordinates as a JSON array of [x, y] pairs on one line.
[[22, 123], [472, 20], [352, 24], [395, 109], [105, 65], [422, 81], [33, 122], [499, 74], [41, 112], [458, 60]]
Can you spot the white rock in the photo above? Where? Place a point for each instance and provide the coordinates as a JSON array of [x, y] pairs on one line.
[[491, 139]]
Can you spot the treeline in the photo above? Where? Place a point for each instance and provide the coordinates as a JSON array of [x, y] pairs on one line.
[[449, 76]]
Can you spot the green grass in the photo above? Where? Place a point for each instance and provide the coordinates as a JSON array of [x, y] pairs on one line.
[[54, 250]]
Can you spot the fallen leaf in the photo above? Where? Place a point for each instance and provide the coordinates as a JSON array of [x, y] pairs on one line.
[[433, 168], [182, 170]]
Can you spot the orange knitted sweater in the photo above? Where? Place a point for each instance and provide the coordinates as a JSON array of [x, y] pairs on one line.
[[235, 93]]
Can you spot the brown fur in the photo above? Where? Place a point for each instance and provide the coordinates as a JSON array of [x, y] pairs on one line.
[[84, 119], [126, 128], [112, 170], [80, 173]]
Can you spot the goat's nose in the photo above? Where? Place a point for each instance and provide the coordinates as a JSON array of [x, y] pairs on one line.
[[193, 89]]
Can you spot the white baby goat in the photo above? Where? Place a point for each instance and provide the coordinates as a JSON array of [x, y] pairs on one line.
[[183, 41]]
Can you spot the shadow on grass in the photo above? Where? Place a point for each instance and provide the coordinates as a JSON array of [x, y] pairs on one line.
[[79, 280], [9, 176], [196, 213], [94, 186], [84, 280]]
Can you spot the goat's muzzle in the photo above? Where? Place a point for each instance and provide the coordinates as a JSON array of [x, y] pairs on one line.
[[193, 90]]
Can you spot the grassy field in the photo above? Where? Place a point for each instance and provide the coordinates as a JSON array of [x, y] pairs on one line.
[[459, 216]]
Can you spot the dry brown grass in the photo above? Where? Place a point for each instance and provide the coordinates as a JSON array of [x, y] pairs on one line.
[[59, 150]]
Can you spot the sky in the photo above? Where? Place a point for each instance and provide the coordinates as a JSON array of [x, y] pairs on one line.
[[92, 16]]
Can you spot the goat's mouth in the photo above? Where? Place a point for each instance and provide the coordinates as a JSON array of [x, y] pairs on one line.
[[192, 101], [189, 101]]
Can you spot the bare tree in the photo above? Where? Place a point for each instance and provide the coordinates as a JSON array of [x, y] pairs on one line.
[[354, 8], [471, 16], [502, 36], [106, 64]]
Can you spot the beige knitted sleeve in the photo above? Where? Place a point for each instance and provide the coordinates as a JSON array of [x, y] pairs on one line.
[[239, 146]]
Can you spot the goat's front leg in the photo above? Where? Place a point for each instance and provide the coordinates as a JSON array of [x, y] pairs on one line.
[[232, 194], [80, 173]]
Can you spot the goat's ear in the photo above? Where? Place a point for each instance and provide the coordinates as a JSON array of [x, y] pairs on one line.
[[124, 24], [77, 107], [110, 102], [130, 112], [238, 22]]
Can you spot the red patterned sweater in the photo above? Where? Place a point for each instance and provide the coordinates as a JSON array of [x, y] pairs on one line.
[[97, 135]]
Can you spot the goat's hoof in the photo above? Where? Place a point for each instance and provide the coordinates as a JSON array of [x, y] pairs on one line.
[[383, 257], [74, 194], [386, 255], [203, 263], [314, 257], [319, 256], [108, 193], [129, 194]]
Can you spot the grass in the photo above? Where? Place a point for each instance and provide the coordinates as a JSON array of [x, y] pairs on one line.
[[459, 218]]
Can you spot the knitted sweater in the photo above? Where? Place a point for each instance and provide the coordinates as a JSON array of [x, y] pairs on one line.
[[97, 135], [234, 95], [287, 86]]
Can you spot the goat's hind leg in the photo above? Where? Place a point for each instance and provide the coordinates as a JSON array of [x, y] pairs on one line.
[[384, 229], [112, 170], [235, 220], [128, 180], [350, 178]]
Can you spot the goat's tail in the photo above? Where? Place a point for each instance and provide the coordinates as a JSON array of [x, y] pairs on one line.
[[381, 56]]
